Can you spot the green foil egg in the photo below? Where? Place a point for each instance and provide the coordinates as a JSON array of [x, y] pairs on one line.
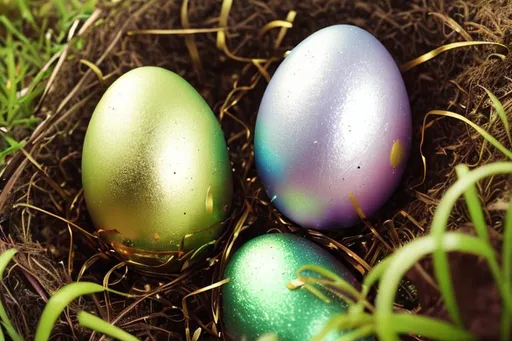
[[155, 166], [256, 300]]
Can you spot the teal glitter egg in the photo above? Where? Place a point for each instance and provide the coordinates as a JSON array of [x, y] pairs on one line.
[[256, 300]]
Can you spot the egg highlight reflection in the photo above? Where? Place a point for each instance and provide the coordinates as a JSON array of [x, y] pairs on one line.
[[256, 300], [333, 130], [155, 165]]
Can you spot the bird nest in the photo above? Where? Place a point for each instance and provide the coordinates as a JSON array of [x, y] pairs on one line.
[[228, 52]]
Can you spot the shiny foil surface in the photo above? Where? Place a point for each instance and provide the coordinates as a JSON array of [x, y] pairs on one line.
[[333, 130], [155, 165], [256, 300]]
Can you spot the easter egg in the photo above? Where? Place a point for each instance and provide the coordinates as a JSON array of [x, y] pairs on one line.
[[155, 166], [333, 130], [256, 300]]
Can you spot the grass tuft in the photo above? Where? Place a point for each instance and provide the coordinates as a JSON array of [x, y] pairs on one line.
[[501, 112], [56, 305], [383, 320], [62, 298], [24, 52]]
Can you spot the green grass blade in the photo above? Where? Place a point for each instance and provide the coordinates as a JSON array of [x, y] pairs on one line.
[[2, 337], [9, 328], [77, 4], [26, 13], [405, 258], [505, 325], [31, 121], [330, 278], [321, 271], [11, 75], [501, 112], [344, 321], [444, 279], [60, 300], [60, 5], [95, 323], [506, 316], [430, 328], [483, 132], [439, 222], [374, 275], [3, 97], [5, 258], [6, 152], [371, 278], [473, 203], [357, 334], [16, 33], [25, 57], [65, 15], [12, 142], [13, 146], [35, 81], [507, 246]]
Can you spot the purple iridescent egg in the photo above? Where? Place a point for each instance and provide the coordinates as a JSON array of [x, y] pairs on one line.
[[334, 129]]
